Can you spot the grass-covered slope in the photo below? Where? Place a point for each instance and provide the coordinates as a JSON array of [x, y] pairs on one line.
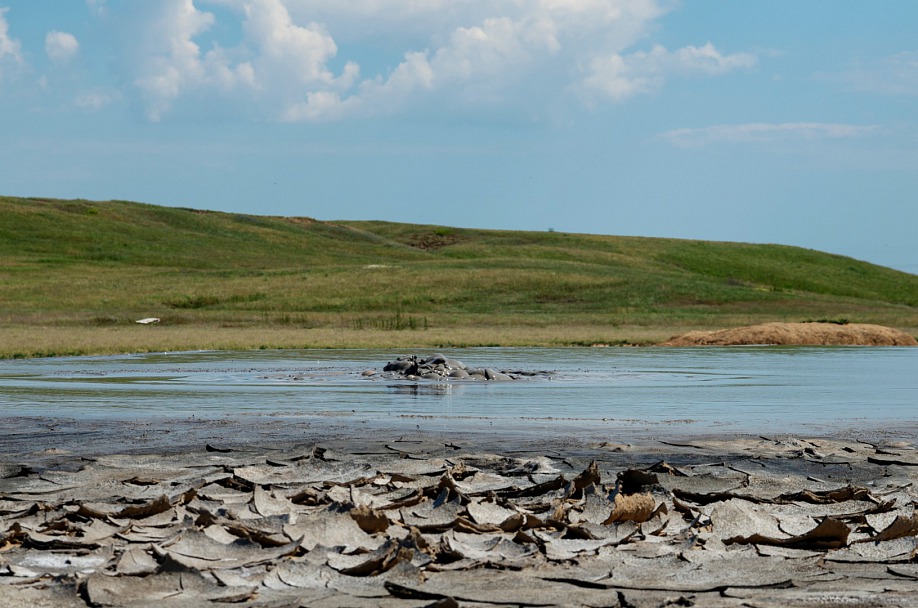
[[82, 265], [609, 271], [135, 234]]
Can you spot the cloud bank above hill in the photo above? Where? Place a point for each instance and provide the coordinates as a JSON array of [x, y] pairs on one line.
[[292, 59]]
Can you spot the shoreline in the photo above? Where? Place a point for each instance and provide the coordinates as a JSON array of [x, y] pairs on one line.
[[29, 341], [37, 439]]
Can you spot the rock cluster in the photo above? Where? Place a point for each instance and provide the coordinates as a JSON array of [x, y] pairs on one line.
[[437, 367]]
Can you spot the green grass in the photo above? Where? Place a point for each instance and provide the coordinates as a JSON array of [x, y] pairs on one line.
[[81, 265]]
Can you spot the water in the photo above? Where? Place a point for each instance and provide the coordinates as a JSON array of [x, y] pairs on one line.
[[737, 389]]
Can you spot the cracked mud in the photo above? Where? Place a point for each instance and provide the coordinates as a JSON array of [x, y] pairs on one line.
[[415, 521]]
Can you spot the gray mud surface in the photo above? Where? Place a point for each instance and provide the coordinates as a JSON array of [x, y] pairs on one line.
[[236, 513]]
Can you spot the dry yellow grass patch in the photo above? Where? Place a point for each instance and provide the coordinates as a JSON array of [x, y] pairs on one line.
[[821, 334], [52, 340]]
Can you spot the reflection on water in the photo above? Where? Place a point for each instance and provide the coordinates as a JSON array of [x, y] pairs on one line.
[[745, 388], [425, 388]]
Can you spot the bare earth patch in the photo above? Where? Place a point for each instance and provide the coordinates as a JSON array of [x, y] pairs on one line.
[[816, 334]]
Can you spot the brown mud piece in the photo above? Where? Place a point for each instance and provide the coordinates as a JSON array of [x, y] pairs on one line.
[[803, 334], [748, 521]]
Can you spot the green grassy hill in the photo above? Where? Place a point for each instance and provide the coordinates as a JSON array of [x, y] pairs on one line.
[[84, 264]]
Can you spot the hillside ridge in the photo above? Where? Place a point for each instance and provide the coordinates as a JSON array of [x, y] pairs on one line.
[[87, 264]]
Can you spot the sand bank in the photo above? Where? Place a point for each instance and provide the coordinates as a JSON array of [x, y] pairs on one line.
[[802, 334]]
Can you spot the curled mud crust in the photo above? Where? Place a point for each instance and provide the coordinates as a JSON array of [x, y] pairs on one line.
[[803, 334], [418, 521]]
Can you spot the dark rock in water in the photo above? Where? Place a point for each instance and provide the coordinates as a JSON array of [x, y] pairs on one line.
[[491, 374], [438, 367], [407, 367], [441, 360]]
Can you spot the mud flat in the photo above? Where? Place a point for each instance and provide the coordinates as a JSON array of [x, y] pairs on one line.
[[423, 519]]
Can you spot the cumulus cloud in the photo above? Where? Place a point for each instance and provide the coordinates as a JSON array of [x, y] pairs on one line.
[[476, 63], [764, 132], [171, 60], [10, 48], [289, 59], [61, 46], [469, 53], [490, 62], [278, 60]]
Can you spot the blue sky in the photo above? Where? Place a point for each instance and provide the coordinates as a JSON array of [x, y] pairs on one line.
[[771, 122]]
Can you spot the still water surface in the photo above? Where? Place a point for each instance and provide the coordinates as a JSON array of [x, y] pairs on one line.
[[737, 389]]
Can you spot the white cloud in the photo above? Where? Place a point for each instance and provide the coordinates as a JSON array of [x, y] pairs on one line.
[[475, 64], [618, 77], [707, 59], [483, 63], [93, 101], [764, 132], [10, 49], [97, 6], [277, 61], [170, 59], [436, 17], [892, 75], [462, 53], [61, 46], [289, 60]]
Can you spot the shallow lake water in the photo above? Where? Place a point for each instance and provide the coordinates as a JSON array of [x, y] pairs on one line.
[[736, 389]]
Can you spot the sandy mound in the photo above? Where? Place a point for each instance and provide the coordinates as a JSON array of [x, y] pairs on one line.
[[798, 334]]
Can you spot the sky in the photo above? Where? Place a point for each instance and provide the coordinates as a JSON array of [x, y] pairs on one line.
[[782, 122]]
